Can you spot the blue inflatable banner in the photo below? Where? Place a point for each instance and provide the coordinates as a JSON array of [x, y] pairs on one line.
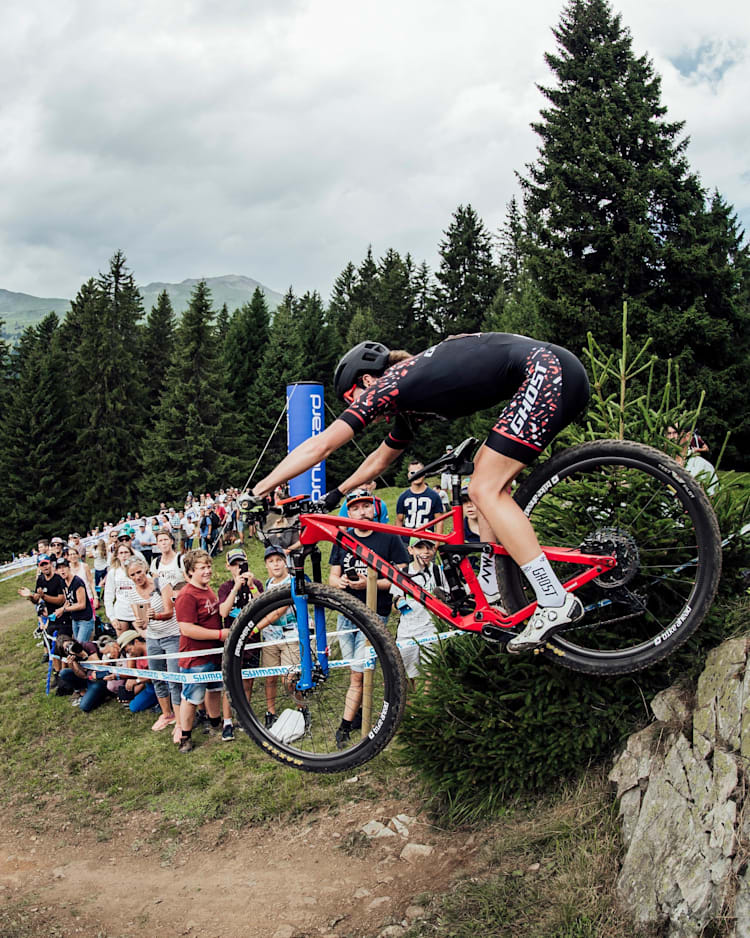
[[305, 418]]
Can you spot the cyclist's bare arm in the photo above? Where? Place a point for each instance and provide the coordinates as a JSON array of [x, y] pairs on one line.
[[306, 455], [373, 465], [317, 448]]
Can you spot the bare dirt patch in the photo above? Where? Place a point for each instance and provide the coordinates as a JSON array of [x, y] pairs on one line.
[[313, 877], [13, 613]]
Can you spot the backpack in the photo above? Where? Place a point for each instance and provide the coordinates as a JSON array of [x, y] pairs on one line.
[[289, 726]]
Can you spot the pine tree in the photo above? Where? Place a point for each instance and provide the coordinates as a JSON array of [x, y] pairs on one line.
[[187, 448], [610, 191], [222, 324], [243, 348], [394, 301], [467, 279], [316, 350], [39, 452], [158, 343], [109, 381], [281, 365], [342, 307], [365, 289], [422, 333]]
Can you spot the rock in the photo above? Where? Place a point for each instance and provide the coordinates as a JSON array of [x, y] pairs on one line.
[[399, 827], [284, 931], [385, 832], [414, 852], [392, 931], [414, 912], [378, 903], [672, 706], [406, 819], [372, 828], [362, 893], [682, 804]]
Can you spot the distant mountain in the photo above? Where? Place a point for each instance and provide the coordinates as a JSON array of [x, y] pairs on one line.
[[20, 310], [232, 289]]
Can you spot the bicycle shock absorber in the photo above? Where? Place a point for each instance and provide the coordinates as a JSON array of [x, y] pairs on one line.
[[460, 601]]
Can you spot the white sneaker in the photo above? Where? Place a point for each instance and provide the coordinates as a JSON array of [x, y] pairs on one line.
[[545, 621]]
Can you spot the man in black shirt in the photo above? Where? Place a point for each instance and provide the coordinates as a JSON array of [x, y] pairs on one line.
[[49, 587], [349, 573]]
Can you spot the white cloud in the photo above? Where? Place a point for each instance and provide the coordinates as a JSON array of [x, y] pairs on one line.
[[277, 139]]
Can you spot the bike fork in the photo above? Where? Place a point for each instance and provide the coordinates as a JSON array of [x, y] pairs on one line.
[[299, 594]]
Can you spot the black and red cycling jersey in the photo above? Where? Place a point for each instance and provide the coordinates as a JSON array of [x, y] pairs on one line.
[[546, 387]]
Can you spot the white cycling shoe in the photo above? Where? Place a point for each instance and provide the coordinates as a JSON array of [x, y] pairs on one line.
[[545, 621]]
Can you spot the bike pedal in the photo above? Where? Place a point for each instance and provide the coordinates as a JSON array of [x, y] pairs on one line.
[[493, 633]]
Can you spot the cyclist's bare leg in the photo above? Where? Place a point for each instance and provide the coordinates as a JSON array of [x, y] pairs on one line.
[[501, 519], [505, 521]]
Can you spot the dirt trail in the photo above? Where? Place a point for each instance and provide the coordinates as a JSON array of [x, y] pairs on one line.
[[316, 877]]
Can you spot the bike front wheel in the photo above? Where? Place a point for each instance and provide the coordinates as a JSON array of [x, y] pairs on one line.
[[634, 502], [317, 712]]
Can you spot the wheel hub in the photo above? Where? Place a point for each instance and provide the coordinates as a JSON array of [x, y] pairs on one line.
[[619, 544]]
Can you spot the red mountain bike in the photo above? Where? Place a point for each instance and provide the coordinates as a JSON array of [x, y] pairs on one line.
[[624, 526]]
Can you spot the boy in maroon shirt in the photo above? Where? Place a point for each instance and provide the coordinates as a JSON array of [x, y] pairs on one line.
[[197, 609]]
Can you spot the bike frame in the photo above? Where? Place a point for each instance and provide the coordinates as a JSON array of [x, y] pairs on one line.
[[316, 528]]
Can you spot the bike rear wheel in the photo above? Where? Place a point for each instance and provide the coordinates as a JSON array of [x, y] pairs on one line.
[[317, 750], [630, 500]]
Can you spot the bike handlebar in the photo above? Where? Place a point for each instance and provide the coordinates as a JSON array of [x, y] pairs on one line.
[[456, 461]]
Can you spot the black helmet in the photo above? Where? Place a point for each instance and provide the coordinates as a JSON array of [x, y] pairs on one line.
[[367, 358]]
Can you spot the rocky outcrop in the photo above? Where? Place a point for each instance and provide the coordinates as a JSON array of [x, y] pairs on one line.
[[681, 783]]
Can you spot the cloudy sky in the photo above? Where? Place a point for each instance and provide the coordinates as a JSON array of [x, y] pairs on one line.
[[278, 138]]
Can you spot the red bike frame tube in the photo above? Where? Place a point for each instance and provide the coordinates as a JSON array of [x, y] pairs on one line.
[[315, 528]]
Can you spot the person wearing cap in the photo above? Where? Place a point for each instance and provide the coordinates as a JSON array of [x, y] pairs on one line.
[[234, 594], [125, 536], [415, 621], [50, 589], [77, 604], [349, 573], [57, 545], [381, 509], [133, 647]]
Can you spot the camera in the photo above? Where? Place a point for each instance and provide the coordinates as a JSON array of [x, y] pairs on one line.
[[243, 567], [350, 571], [75, 650], [41, 608]]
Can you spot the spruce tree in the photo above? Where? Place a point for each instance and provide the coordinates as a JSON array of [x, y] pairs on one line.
[[39, 451], [342, 306], [188, 445], [158, 343], [222, 324], [614, 214], [108, 377], [316, 350], [394, 301], [281, 365], [610, 190], [467, 278], [243, 348]]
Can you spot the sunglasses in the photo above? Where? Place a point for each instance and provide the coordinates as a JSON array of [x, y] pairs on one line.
[[349, 395]]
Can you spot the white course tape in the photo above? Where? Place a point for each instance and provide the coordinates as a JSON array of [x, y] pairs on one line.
[[209, 677]]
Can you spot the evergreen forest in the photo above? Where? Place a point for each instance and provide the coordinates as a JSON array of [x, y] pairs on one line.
[[115, 407]]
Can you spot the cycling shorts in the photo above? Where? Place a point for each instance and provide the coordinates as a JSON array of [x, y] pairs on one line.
[[554, 391]]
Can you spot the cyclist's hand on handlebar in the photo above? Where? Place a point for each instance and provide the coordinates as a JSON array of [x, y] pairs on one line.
[[251, 503], [330, 500]]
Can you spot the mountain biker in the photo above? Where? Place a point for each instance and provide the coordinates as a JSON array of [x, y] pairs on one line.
[[546, 388]]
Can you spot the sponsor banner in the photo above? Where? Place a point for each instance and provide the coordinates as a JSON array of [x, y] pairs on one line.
[[306, 418]]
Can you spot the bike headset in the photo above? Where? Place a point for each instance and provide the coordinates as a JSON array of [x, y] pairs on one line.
[[365, 358]]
